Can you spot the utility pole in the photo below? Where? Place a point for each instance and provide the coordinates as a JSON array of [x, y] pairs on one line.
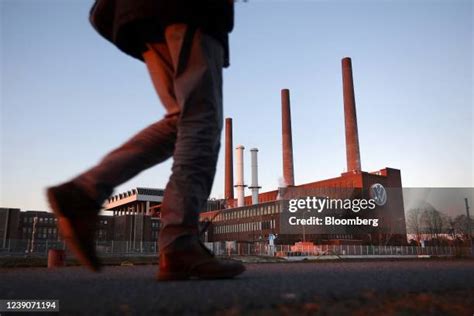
[[469, 231]]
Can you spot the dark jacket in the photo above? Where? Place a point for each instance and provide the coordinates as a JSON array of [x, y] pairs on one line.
[[129, 24]]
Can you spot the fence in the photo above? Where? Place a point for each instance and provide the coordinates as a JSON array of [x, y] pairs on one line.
[[104, 248], [232, 248], [260, 249]]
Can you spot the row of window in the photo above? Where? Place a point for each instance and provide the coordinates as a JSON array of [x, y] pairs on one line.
[[42, 232], [243, 213], [42, 220], [244, 227]]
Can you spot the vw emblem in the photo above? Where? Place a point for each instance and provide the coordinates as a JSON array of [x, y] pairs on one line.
[[378, 194]]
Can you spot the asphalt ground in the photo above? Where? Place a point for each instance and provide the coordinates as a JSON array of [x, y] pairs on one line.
[[409, 287]]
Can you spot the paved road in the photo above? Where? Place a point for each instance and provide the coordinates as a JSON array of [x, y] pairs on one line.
[[133, 290]]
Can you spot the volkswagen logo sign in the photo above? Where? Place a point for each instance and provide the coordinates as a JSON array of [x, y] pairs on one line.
[[378, 194]]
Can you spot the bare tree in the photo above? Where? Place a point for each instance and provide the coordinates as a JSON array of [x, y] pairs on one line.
[[459, 225], [414, 223], [434, 222]]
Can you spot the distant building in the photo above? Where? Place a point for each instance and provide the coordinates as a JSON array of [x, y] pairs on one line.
[[19, 230], [144, 201], [9, 221]]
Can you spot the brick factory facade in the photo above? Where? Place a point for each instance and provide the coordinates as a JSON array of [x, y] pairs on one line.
[[254, 222]]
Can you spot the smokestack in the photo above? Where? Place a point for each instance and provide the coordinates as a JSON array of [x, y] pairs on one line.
[[239, 153], [254, 187], [288, 172], [350, 118], [229, 163]]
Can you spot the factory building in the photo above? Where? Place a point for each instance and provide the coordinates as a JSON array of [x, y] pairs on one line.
[[252, 218]]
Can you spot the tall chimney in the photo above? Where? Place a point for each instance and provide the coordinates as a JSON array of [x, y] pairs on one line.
[[350, 118], [229, 164], [254, 187], [288, 172], [239, 153]]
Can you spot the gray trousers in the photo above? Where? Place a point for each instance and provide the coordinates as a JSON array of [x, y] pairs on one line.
[[186, 71]]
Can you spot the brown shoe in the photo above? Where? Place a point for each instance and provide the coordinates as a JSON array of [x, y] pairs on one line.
[[77, 216], [187, 258]]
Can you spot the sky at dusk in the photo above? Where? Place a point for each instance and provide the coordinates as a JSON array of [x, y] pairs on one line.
[[68, 96]]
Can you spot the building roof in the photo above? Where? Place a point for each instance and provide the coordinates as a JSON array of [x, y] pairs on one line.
[[137, 194]]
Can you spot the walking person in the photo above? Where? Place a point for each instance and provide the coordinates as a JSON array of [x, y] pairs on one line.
[[184, 44]]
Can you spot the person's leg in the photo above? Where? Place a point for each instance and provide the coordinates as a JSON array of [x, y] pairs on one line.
[[150, 146], [77, 203], [198, 62]]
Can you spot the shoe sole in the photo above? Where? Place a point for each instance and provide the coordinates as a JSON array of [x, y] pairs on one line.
[[68, 233]]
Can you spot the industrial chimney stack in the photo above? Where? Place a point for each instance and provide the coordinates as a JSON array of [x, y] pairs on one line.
[[229, 163], [239, 153], [288, 171], [254, 187], [350, 118]]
